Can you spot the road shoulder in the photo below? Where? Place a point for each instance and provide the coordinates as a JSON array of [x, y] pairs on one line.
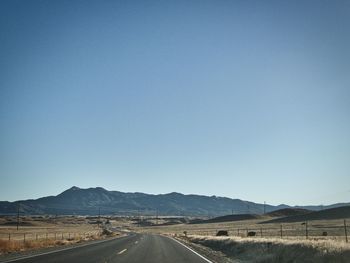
[[212, 255], [42, 251]]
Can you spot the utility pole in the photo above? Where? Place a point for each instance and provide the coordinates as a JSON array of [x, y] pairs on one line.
[[18, 215], [306, 230], [99, 217], [346, 232], [139, 217], [157, 218]]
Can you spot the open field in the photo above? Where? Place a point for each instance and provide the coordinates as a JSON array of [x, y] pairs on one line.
[[312, 241], [317, 230], [38, 228], [40, 232], [271, 250]]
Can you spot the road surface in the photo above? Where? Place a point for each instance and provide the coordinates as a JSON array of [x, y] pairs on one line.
[[135, 248]]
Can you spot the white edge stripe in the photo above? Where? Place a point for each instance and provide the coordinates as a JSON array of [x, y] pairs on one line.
[[121, 252], [58, 250], [190, 249]]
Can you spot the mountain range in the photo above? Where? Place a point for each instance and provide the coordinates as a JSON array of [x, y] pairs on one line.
[[92, 201]]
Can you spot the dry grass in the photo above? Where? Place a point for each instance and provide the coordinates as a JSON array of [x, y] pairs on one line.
[[334, 229], [7, 246], [276, 250], [270, 247], [39, 228], [45, 232], [16, 246]]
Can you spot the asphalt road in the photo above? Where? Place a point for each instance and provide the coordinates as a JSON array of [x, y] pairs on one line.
[[135, 248]]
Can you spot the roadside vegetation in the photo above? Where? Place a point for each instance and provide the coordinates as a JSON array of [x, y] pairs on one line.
[[261, 239], [264, 250], [45, 232], [307, 241]]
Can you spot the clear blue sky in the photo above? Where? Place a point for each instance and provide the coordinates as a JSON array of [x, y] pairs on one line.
[[244, 99]]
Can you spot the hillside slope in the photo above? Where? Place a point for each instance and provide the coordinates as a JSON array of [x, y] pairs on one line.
[[327, 214], [89, 201], [77, 201]]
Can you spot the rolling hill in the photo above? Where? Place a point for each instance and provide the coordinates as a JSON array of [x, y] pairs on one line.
[[288, 212], [227, 218], [77, 201], [327, 214]]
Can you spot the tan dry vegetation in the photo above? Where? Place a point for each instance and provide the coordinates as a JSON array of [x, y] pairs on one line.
[[261, 250], [16, 245], [48, 232], [293, 247], [334, 229], [47, 228]]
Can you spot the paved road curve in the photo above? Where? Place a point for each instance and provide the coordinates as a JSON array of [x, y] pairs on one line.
[[135, 248]]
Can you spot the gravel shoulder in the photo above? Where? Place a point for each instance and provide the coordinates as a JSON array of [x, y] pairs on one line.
[[213, 255]]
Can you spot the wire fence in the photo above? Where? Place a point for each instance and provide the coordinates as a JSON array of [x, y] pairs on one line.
[[31, 236], [304, 230]]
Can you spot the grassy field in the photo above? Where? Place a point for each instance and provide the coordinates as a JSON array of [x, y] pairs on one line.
[[39, 232], [274, 250], [292, 244], [38, 228], [316, 230]]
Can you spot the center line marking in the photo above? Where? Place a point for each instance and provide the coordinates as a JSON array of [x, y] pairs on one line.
[[121, 252]]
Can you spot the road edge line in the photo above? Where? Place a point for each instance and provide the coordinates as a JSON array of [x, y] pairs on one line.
[[58, 250], [190, 249], [121, 252]]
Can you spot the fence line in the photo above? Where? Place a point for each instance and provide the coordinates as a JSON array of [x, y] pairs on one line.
[[305, 230], [45, 236], [345, 231]]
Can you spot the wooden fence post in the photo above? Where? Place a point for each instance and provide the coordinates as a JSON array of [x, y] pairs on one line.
[[261, 232], [281, 232], [346, 232], [9, 236], [24, 237], [306, 231]]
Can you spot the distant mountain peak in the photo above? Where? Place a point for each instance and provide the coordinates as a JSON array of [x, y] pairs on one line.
[[175, 194], [76, 188], [70, 191], [88, 201], [100, 188]]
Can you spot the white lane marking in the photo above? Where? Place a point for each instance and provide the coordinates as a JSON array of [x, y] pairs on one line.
[[190, 249], [136, 242], [59, 250], [121, 252]]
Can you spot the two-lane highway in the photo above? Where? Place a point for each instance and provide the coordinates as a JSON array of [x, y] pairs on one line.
[[135, 248]]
